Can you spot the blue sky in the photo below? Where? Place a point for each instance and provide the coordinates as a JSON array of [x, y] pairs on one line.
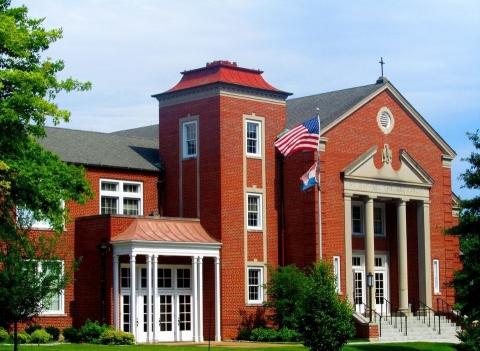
[[132, 49]]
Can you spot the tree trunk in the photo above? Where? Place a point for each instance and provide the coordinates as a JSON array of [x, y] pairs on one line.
[[15, 336]]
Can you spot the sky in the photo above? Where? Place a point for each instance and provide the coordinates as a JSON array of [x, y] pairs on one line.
[[130, 50]]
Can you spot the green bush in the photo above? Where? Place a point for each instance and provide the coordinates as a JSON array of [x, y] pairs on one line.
[[31, 328], [90, 332], [288, 335], [70, 334], [264, 334], [54, 332], [116, 337], [4, 335], [40, 336], [470, 338], [244, 334], [23, 337]]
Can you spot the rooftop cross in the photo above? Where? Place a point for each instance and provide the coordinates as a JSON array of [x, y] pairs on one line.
[[381, 62]]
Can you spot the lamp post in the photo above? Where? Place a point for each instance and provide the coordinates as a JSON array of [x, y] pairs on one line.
[[370, 297]]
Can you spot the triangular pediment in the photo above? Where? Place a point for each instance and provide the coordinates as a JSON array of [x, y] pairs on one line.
[[409, 173]]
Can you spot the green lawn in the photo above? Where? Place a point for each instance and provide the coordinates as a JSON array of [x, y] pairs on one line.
[[353, 347]]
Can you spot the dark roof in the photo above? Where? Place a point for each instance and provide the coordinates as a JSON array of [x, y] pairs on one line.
[[331, 105], [148, 132], [102, 149]]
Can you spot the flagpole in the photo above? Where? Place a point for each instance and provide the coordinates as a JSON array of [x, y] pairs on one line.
[[319, 192]]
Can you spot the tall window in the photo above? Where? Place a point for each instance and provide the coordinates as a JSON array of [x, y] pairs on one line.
[[436, 276], [253, 138], [55, 302], [379, 219], [254, 211], [357, 218], [255, 285], [189, 138], [121, 197], [336, 273]]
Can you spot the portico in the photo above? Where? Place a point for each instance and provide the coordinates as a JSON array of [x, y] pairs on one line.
[[158, 280], [370, 187]]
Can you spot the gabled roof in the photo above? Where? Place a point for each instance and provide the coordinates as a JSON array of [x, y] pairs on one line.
[[102, 149], [148, 132], [171, 230]]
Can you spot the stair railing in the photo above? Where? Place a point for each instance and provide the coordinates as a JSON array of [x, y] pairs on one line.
[[421, 307], [365, 313], [448, 312]]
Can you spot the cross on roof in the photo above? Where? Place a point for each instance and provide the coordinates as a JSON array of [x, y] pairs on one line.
[[381, 62]]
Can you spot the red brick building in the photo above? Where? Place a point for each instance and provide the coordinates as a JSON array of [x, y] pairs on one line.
[[190, 215]]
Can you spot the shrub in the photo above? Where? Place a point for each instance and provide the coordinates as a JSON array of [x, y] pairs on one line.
[[31, 328], [70, 334], [116, 337], [54, 332], [40, 336], [325, 320], [286, 334], [90, 332], [470, 338], [264, 334], [3, 335], [23, 337], [244, 334]]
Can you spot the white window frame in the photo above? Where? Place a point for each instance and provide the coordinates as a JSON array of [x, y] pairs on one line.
[[184, 139], [381, 206], [362, 217], [259, 225], [61, 311], [259, 138], [120, 194], [337, 274], [261, 293], [436, 276]]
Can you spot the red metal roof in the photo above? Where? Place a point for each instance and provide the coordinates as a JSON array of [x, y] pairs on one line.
[[223, 72], [174, 230]]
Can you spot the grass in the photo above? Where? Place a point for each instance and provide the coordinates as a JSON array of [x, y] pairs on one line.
[[416, 346]]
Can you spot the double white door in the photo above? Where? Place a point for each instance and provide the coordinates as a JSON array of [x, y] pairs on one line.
[[175, 317]]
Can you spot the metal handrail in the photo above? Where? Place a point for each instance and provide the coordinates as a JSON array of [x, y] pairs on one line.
[[449, 312], [375, 313], [387, 305], [430, 311]]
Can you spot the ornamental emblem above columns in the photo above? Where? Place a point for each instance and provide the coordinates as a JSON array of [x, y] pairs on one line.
[[386, 154]]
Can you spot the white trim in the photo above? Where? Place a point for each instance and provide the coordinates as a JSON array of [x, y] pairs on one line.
[[259, 140], [185, 153], [259, 225], [120, 194], [261, 294], [337, 274], [436, 276]]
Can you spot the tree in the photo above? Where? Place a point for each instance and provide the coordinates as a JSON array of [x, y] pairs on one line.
[[467, 280], [31, 177]]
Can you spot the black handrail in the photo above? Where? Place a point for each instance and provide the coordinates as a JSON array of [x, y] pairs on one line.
[[388, 307], [448, 311], [427, 310]]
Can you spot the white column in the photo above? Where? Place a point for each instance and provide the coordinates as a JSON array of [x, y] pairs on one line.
[[155, 299], [149, 298], [195, 304], [370, 250], [218, 335], [133, 297], [200, 299], [348, 247], [402, 255], [116, 291], [424, 253]]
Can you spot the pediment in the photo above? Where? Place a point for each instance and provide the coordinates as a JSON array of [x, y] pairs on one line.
[[409, 173]]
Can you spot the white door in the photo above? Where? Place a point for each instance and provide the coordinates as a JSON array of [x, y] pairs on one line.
[[165, 311], [359, 289], [142, 321], [184, 317]]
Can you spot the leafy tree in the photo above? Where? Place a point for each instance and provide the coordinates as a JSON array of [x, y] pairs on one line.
[[31, 177], [467, 280]]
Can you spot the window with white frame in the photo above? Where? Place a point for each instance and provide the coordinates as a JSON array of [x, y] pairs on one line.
[[56, 302], [255, 285], [254, 211], [436, 276], [189, 139], [26, 219], [121, 197], [253, 138], [357, 218], [379, 219], [336, 273]]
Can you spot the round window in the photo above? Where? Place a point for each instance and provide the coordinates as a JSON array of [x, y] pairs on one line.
[[385, 120]]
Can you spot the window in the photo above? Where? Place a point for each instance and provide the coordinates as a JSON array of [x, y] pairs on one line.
[[378, 262], [121, 197], [255, 285], [253, 131], [357, 219], [336, 273], [164, 278], [55, 304], [143, 278], [183, 278], [189, 138], [356, 261], [379, 219], [385, 120], [436, 276], [254, 211], [125, 277], [126, 313]]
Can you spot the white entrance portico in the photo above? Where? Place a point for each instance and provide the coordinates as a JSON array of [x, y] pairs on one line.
[[370, 186], [157, 300]]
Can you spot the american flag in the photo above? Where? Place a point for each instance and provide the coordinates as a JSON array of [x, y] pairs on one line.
[[303, 137]]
